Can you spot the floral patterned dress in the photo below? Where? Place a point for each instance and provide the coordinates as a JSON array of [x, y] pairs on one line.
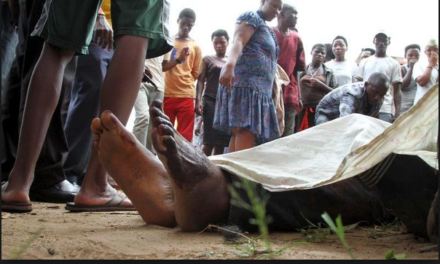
[[249, 104]]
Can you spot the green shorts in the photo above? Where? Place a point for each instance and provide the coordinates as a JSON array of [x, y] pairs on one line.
[[69, 24]]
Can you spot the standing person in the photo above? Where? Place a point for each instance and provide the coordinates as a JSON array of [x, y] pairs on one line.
[[329, 52], [344, 70], [181, 71], [244, 104], [152, 87], [84, 100], [426, 73], [383, 63], [315, 82], [292, 60], [50, 183], [74, 22], [409, 85], [214, 141]]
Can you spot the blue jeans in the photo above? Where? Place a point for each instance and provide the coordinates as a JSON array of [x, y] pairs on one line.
[[9, 40]]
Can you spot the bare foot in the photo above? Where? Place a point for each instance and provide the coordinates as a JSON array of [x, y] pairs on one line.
[[138, 172], [200, 188]]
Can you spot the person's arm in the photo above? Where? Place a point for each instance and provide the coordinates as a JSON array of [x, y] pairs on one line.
[[200, 88], [407, 75], [103, 35], [397, 97], [242, 35], [423, 79], [360, 71], [169, 64], [197, 63]]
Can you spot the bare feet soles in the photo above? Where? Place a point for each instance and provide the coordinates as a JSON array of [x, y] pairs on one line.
[[137, 171], [200, 188]]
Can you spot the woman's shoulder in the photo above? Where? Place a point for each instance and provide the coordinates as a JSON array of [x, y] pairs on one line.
[[251, 18]]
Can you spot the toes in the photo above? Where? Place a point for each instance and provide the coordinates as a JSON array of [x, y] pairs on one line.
[[109, 121], [96, 126]]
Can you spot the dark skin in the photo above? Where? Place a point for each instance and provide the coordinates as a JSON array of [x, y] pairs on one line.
[[376, 92], [381, 42], [412, 56], [242, 138], [220, 44], [318, 56], [287, 21], [432, 54], [185, 26]]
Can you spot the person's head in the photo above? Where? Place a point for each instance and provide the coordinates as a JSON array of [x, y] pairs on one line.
[[376, 87], [288, 16], [367, 52], [339, 47], [431, 46], [270, 9], [381, 41], [220, 40], [329, 52], [318, 53], [186, 20], [412, 53]]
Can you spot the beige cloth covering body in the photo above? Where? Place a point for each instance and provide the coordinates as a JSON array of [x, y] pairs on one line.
[[338, 149]]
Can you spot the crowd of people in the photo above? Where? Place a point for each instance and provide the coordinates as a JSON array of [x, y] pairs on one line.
[[88, 62]]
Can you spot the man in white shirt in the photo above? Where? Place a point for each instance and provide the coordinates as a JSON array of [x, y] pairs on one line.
[[425, 73], [383, 63]]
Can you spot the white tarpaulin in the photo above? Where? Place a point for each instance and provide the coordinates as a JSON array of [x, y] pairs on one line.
[[338, 149]]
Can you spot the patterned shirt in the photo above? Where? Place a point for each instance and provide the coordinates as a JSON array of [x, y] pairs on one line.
[[345, 100]]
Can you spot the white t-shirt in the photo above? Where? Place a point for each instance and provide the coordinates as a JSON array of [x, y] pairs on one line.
[[419, 69], [344, 71], [155, 66], [386, 65]]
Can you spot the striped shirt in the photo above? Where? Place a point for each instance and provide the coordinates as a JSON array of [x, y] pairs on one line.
[[345, 100]]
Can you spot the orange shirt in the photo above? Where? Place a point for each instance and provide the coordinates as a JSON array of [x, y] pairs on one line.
[[179, 81], [106, 9]]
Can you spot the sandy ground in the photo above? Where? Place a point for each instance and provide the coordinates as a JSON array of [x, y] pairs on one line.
[[51, 232]]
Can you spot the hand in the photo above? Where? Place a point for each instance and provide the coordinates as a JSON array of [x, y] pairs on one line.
[[315, 83], [184, 53], [103, 33], [227, 77], [433, 59], [198, 108], [411, 63], [147, 72]]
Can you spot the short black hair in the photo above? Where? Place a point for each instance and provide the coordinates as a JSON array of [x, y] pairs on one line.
[[412, 46], [372, 51], [329, 50], [287, 7], [189, 13], [220, 33], [341, 38], [319, 45], [379, 78]]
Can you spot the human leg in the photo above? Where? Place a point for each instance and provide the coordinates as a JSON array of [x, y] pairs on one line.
[[90, 74], [243, 139], [200, 189], [119, 92], [289, 119], [41, 102], [138, 172]]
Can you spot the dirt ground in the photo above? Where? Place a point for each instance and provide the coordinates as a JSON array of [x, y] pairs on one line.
[[51, 232]]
